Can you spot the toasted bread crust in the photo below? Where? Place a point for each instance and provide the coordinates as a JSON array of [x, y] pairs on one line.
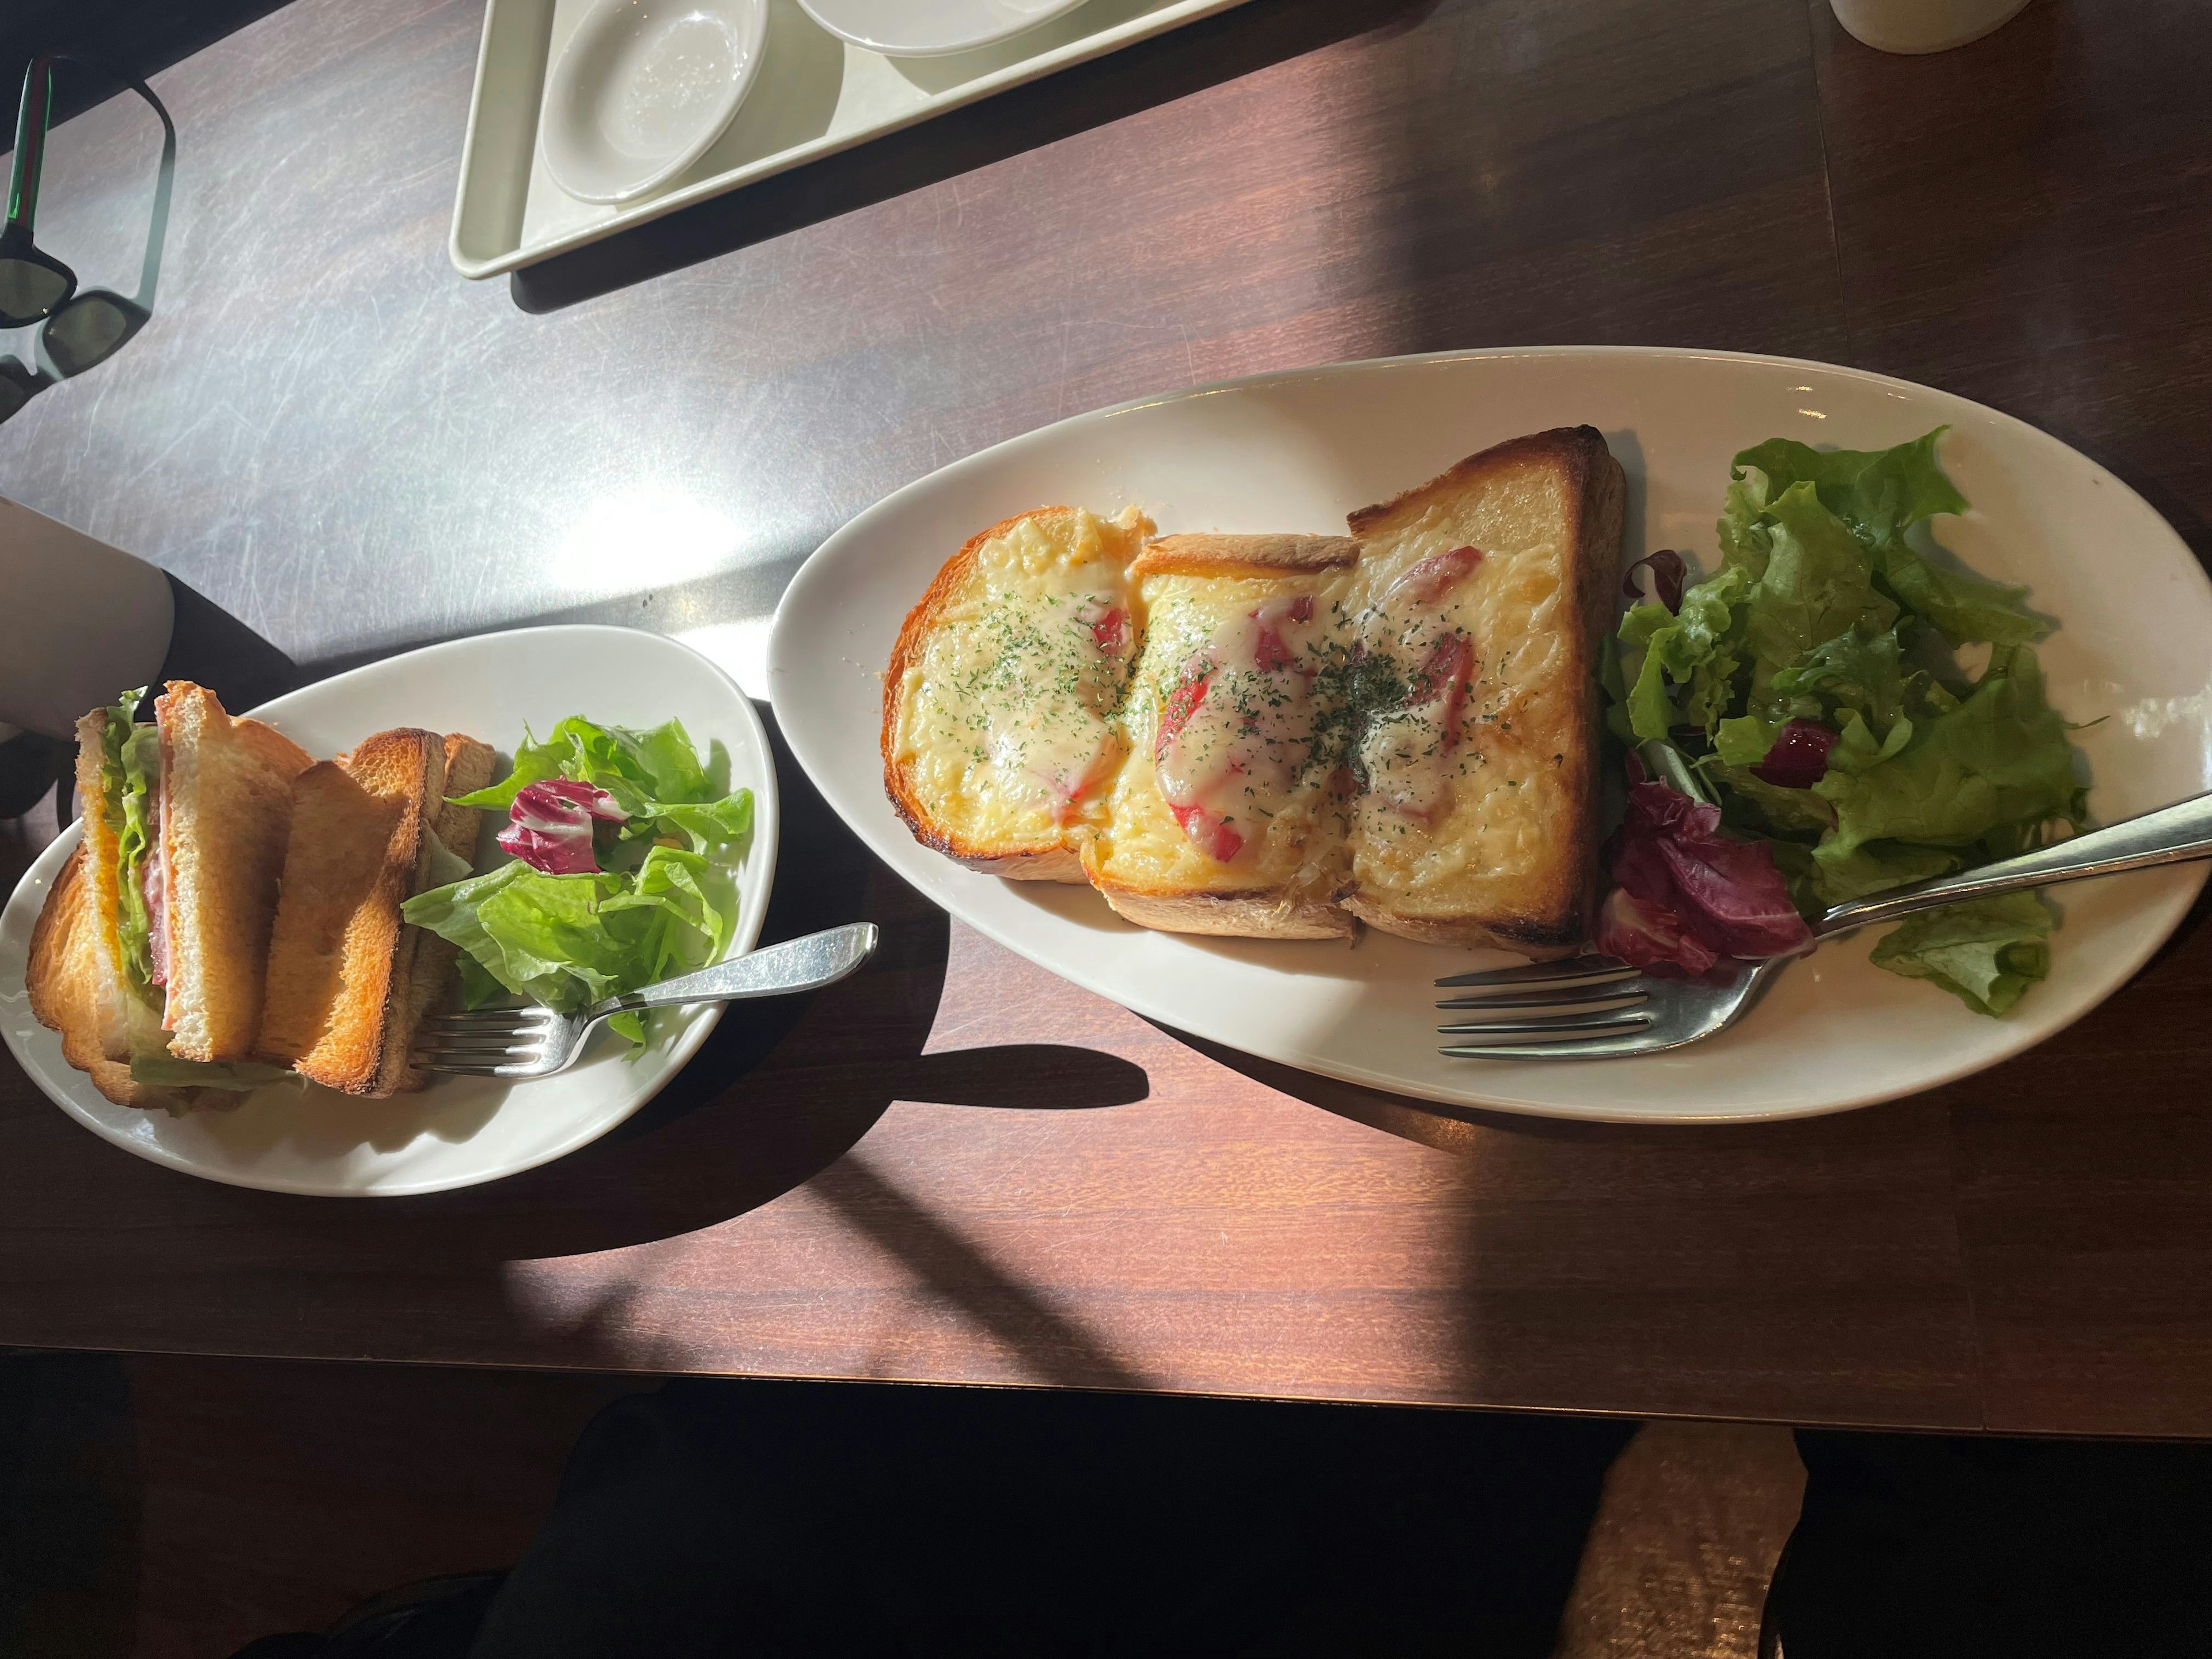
[[68, 978], [469, 767], [226, 814], [340, 962], [1053, 862], [1551, 916], [1244, 556], [1261, 914]]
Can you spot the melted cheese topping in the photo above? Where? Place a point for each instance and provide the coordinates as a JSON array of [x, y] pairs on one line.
[[1004, 719], [1235, 724], [1460, 810]]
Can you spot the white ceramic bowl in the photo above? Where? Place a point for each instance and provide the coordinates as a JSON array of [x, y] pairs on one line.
[[932, 29], [642, 88]]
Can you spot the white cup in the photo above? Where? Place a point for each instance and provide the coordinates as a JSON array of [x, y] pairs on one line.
[[1917, 26], [80, 621]]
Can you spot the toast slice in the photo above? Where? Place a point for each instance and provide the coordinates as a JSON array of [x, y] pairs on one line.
[[1229, 814], [469, 767], [74, 980], [997, 737], [1482, 600], [226, 813], [342, 966]]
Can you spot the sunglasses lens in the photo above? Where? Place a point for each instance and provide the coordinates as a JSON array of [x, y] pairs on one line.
[[84, 332], [29, 289], [16, 388]]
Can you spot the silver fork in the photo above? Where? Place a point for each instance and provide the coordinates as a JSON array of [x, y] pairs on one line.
[[1596, 1007], [521, 1043]]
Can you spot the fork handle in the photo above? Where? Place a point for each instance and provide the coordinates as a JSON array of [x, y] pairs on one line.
[[2173, 834], [798, 964]]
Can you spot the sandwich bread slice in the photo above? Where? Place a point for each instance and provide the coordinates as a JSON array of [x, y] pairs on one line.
[[225, 816], [1478, 617], [1230, 815], [75, 986], [347, 980], [148, 957], [997, 737]]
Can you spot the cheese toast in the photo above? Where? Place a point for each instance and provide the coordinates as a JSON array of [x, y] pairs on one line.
[[1482, 598], [998, 739], [1278, 737], [1228, 815]]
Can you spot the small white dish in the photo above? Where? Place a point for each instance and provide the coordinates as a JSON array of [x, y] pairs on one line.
[[643, 88], [932, 29], [1296, 451], [460, 1130]]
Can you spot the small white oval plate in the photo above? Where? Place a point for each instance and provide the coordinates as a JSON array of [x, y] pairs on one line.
[[1296, 450], [932, 29], [642, 88], [460, 1131]]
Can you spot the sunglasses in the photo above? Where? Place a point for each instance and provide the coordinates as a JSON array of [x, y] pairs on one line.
[[79, 330]]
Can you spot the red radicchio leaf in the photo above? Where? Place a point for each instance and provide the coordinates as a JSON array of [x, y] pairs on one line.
[[1668, 576], [551, 827], [1646, 935], [1799, 757], [1725, 896]]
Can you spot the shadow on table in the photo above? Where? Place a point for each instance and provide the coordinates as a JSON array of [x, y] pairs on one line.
[[1238, 42]]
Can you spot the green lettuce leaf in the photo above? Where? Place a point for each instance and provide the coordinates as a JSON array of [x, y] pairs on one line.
[[1746, 542], [1695, 648], [1962, 605], [1875, 492], [160, 1070], [1819, 583], [129, 771], [666, 903], [1986, 952], [1998, 764], [1859, 672]]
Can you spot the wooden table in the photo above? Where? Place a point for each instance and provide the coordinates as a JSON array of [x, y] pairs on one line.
[[955, 1167]]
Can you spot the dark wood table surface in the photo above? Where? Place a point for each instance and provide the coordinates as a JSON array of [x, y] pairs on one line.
[[955, 1167]]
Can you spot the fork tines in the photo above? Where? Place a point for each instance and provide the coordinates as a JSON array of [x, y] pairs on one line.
[[1585, 1001], [483, 1042]]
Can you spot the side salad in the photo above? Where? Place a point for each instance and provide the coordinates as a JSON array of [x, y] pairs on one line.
[[622, 844], [1802, 731]]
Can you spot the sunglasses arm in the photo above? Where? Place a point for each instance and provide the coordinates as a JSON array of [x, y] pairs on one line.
[[30, 144]]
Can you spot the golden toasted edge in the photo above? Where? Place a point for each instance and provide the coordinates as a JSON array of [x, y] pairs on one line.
[[1244, 556], [406, 766], [1057, 862], [469, 767], [221, 878], [1261, 914], [1555, 916], [67, 987]]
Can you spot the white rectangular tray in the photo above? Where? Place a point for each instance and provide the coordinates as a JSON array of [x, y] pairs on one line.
[[815, 95]]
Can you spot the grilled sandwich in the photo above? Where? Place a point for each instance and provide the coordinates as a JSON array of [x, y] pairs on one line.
[[149, 955]]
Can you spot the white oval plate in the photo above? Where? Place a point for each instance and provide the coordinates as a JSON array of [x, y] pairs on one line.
[[1295, 452], [460, 1130], [932, 29]]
